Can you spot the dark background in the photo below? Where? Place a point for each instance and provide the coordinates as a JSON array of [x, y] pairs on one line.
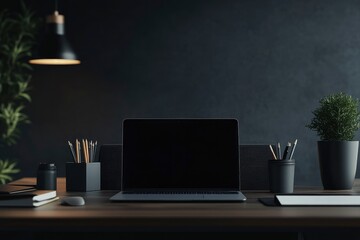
[[264, 62]]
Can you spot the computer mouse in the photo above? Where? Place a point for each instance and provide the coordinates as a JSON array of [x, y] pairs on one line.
[[73, 201]]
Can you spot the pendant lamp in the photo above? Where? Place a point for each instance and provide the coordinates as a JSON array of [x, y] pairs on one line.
[[55, 49]]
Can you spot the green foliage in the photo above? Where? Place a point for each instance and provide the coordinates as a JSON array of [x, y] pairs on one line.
[[337, 117], [17, 39], [12, 117], [7, 168]]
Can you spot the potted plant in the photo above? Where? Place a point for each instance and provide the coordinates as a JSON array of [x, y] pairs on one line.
[[336, 121], [17, 39]]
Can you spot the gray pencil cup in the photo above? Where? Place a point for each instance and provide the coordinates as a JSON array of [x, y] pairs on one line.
[[82, 177], [281, 175]]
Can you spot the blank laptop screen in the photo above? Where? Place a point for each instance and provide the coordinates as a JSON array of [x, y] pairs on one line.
[[180, 154]]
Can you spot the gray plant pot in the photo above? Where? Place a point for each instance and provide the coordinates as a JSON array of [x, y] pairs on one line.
[[338, 162]]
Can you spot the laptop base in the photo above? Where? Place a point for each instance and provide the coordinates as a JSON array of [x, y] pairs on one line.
[[189, 197]]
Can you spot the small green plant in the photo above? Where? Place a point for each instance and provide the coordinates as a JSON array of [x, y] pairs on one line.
[[337, 118], [17, 39], [7, 168]]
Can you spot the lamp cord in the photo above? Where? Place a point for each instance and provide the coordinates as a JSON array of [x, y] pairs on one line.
[[56, 5]]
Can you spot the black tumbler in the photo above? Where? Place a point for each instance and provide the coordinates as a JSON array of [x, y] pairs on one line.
[[46, 176]]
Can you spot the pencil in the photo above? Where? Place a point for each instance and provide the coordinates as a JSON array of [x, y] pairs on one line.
[[87, 150], [272, 151], [84, 149], [77, 151]]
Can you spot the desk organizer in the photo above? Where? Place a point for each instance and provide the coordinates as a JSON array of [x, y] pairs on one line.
[[82, 177], [281, 175]]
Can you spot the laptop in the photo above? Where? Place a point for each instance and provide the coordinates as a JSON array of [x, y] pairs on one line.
[[180, 160]]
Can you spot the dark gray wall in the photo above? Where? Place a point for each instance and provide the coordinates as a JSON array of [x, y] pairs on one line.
[[264, 62]]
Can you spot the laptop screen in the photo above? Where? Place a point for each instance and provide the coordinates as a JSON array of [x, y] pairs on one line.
[[173, 154]]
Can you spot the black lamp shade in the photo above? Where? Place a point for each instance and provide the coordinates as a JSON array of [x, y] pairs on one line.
[[55, 49]]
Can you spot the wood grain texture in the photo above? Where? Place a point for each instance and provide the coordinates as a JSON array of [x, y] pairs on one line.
[[99, 214]]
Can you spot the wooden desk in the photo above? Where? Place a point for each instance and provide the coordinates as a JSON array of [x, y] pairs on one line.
[[99, 214]]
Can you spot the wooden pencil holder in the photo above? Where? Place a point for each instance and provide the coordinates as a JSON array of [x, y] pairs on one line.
[[82, 177]]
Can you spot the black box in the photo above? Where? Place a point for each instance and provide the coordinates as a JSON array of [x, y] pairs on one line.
[[82, 177], [110, 159]]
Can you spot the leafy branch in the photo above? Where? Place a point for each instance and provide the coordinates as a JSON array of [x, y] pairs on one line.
[[7, 168], [17, 39]]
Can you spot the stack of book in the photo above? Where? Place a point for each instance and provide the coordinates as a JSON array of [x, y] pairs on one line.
[[25, 196]]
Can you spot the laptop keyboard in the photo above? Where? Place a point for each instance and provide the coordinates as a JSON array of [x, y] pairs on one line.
[[186, 196], [183, 192]]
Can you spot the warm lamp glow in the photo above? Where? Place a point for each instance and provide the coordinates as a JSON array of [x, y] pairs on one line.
[[54, 61]]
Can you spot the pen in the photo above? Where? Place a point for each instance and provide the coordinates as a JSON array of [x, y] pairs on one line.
[[95, 149], [286, 151], [72, 151], [279, 151], [80, 160], [272, 151], [293, 149], [91, 151]]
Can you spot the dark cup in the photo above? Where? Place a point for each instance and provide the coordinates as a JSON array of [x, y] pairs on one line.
[[281, 175], [46, 176]]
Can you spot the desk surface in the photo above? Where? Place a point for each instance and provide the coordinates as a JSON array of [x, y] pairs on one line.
[[100, 213]]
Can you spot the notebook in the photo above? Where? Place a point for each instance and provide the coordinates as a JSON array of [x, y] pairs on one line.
[[14, 189], [317, 200], [180, 160], [28, 199]]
